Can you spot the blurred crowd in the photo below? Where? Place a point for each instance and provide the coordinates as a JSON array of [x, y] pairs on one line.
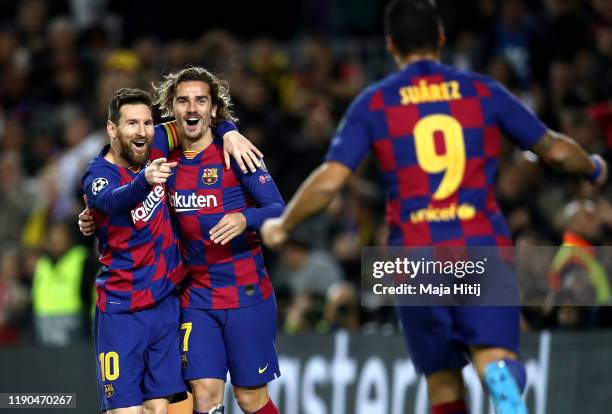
[[61, 61]]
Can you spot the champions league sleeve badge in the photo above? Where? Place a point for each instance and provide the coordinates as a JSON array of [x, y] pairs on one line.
[[98, 185], [262, 165]]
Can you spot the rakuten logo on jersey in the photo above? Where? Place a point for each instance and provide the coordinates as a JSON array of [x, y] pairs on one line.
[[149, 205], [192, 202]]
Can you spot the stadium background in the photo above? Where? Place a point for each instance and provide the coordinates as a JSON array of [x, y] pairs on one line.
[[292, 67]]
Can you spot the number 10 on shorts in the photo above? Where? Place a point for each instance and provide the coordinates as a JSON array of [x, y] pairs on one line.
[[109, 366]]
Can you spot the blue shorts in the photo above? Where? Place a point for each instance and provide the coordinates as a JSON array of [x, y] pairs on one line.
[[439, 337], [138, 355], [241, 341]]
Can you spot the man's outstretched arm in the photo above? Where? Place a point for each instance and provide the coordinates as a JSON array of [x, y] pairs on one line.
[[311, 198], [559, 151], [564, 154]]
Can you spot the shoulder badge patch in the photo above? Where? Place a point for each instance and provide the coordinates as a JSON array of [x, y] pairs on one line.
[[98, 185]]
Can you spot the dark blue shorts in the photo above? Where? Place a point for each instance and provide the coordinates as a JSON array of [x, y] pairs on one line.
[[138, 355], [241, 341], [439, 337]]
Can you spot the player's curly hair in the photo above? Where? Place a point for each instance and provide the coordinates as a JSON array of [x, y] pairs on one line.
[[164, 92]]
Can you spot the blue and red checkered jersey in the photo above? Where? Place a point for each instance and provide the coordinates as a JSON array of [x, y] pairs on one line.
[[435, 132], [138, 247], [200, 193]]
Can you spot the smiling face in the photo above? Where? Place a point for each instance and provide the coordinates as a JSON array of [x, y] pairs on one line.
[[193, 109], [132, 136]]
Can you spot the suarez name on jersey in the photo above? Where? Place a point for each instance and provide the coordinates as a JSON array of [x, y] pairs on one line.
[[435, 132]]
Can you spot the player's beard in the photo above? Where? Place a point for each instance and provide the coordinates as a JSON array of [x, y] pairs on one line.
[[133, 157]]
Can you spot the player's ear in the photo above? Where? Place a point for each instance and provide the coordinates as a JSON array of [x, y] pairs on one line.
[[441, 36], [214, 111], [392, 49], [111, 129], [390, 46]]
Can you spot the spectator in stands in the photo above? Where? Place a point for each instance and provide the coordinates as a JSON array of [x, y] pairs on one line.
[[57, 288], [341, 308], [577, 277], [306, 274], [306, 270], [516, 37], [15, 198], [14, 296]]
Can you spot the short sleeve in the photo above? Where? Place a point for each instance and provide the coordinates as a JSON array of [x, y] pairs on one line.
[[521, 125], [352, 141]]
